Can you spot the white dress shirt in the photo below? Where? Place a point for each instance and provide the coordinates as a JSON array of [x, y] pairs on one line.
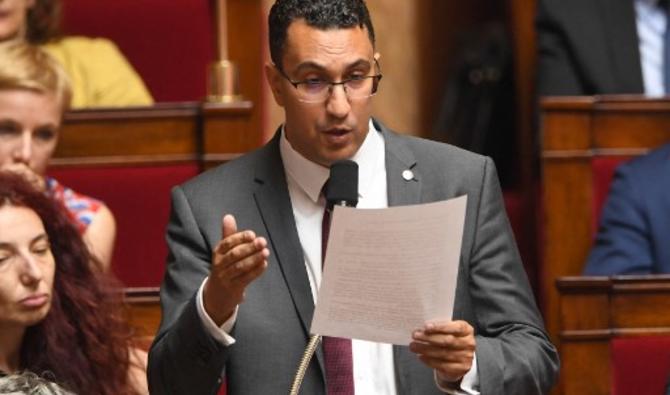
[[372, 362], [651, 22]]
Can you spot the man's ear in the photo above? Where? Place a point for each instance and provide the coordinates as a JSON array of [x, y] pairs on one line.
[[275, 82]]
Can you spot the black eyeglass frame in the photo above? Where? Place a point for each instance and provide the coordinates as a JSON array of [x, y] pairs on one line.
[[331, 85]]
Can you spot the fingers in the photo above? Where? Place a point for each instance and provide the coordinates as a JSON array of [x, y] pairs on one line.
[[29, 174], [450, 353], [447, 346], [229, 226], [237, 260], [242, 259], [240, 256]]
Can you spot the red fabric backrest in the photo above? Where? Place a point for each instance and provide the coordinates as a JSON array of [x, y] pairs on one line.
[[602, 168], [640, 365], [169, 42], [139, 197]]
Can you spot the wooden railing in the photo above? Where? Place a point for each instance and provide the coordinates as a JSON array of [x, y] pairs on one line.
[[596, 310]]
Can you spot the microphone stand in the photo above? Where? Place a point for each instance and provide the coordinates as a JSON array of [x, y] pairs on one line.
[[341, 171], [314, 341]]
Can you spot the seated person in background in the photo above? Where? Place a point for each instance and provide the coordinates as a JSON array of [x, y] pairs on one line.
[[601, 47], [100, 74], [57, 314], [29, 383], [34, 94], [634, 225]]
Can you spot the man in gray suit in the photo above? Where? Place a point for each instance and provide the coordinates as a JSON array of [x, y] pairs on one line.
[[245, 241]]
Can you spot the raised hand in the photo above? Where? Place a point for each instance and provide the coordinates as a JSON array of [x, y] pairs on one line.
[[238, 259]]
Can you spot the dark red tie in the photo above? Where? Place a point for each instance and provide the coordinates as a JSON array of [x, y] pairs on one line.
[[336, 350]]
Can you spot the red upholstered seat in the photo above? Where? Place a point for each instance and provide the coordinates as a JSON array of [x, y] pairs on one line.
[[169, 42], [139, 197], [640, 365], [603, 168]]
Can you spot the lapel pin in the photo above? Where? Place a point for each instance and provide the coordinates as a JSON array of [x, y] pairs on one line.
[[408, 175]]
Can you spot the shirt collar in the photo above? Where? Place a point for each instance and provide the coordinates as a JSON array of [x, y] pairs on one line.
[[310, 176]]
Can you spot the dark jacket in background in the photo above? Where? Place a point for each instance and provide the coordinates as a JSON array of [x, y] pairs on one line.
[[634, 223], [588, 47]]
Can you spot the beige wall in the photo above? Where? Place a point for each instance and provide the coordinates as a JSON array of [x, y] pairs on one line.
[[397, 103]]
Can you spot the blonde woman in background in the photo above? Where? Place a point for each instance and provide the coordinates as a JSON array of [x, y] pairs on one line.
[[34, 94]]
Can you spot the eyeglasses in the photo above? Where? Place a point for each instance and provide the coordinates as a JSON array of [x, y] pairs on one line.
[[316, 90]]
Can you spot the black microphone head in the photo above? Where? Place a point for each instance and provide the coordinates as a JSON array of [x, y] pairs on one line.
[[342, 186]]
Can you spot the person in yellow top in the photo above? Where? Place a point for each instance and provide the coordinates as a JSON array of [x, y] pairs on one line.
[[100, 74]]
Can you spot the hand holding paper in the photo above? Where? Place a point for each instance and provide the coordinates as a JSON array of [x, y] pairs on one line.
[[446, 346], [388, 271]]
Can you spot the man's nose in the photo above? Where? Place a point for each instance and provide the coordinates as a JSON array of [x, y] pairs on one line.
[[338, 104]]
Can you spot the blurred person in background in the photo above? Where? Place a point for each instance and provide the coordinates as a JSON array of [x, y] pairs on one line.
[[100, 74], [34, 94], [597, 47], [633, 233]]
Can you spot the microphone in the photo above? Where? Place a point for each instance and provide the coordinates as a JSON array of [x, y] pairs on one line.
[[341, 190], [342, 186]]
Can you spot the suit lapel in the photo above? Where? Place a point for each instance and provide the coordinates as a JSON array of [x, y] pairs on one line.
[[623, 45], [274, 204], [400, 165]]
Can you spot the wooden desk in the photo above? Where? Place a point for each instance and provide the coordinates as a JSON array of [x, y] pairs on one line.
[[575, 131], [594, 310]]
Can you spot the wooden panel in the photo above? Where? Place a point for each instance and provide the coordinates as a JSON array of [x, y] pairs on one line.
[[567, 195], [631, 301], [574, 131], [596, 309], [246, 37], [227, 131], [166, 132], [585, 368], [567, 131], [144, 314]]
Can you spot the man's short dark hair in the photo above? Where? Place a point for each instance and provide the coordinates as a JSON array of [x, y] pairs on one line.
[[320, 14]]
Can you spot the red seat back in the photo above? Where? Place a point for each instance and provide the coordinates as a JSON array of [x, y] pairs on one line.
[[139, 197], [640, 365], [169, 42]]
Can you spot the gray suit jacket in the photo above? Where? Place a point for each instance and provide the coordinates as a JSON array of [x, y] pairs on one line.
[[514, 355]]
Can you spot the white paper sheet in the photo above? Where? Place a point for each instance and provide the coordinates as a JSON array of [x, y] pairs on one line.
[[387, 271]]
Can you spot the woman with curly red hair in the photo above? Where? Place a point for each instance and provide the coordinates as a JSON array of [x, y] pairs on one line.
[[58, 316]]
